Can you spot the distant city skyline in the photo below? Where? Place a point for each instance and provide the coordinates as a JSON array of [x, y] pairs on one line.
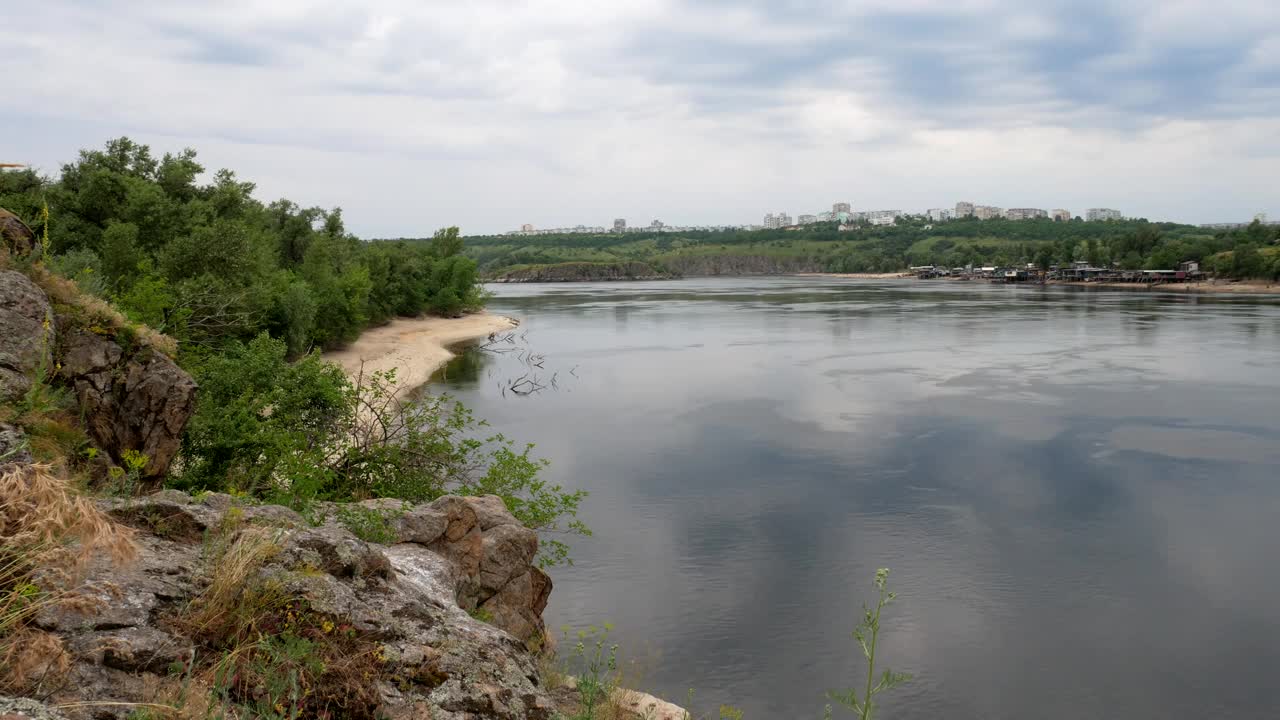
[[845, 211]]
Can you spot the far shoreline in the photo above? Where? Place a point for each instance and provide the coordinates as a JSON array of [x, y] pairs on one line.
[[1249, 287], [414, 347]]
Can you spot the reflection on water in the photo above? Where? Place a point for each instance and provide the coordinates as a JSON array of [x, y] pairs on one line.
[[1076, 490]]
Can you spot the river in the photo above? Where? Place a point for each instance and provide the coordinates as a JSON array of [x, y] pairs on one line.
[[1078, 492]]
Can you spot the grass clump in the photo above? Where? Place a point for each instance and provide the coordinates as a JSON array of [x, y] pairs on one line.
[[48, 534], [268, 653]]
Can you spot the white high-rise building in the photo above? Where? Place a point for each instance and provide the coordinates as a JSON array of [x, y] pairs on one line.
[[838, 208], [987, 212], [619, 225], [1025, 213], [1061, 215], [806, 219], [964, 209], [1100, 214], [941, 214]]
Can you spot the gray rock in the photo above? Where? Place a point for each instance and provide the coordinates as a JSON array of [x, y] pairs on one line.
[[13, 447], [334, 550], [135, 649], [25, 709], [169, 514], [139, 402], [422, 525], [27, 334]]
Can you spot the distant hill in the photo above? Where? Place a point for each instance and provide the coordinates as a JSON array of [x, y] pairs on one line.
[[912, 241]]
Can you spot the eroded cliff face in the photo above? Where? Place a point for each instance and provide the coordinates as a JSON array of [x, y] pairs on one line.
[[737, 265], [131, 396], [584, 272], [129, 637]]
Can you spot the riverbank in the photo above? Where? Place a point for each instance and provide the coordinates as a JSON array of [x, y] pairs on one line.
[[859, 276], [414, 347], [1257, 287], [1210, 286]]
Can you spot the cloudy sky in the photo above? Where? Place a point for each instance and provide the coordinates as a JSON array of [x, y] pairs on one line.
[[415, 114]]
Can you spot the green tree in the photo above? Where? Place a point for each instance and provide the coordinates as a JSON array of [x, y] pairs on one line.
[[1246, 262], [446, 243], [120, 254]]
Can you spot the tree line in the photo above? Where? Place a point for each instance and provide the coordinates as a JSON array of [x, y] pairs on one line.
[[208, 264], [1247, 252]]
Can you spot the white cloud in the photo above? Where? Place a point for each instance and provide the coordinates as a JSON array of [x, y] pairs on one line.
[[573, 111]]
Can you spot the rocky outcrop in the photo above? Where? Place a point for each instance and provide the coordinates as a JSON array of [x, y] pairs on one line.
[[138, 401], [15, 236], [27, 334], [421, 598], [131, 396]]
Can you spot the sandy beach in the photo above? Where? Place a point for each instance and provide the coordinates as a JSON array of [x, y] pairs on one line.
[[415, 347]]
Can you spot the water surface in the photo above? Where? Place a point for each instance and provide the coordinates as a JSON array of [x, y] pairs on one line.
[[1078, 492]]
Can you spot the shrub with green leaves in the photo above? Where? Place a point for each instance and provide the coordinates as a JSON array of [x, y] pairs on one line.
[[370, 524], [294, 433]]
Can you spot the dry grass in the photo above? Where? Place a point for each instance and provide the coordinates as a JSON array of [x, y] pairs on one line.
[[49, 534], [97, 312], [267, 653], [39, 508], [236, 554]]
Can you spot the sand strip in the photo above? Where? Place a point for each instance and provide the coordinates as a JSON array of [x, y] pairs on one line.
[[415, 347]]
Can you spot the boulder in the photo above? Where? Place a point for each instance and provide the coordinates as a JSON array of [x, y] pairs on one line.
[[16, 236], [140, 401], [27, 334], [492, 556]]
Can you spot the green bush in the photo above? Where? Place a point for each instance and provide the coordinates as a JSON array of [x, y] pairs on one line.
[[370, 524], [294, 433]]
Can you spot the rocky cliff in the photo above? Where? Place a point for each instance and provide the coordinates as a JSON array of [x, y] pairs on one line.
[[132, 396], [444, 611]]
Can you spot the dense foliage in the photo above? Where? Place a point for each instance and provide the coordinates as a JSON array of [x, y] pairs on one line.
[[1249, 252], [208, 263]]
